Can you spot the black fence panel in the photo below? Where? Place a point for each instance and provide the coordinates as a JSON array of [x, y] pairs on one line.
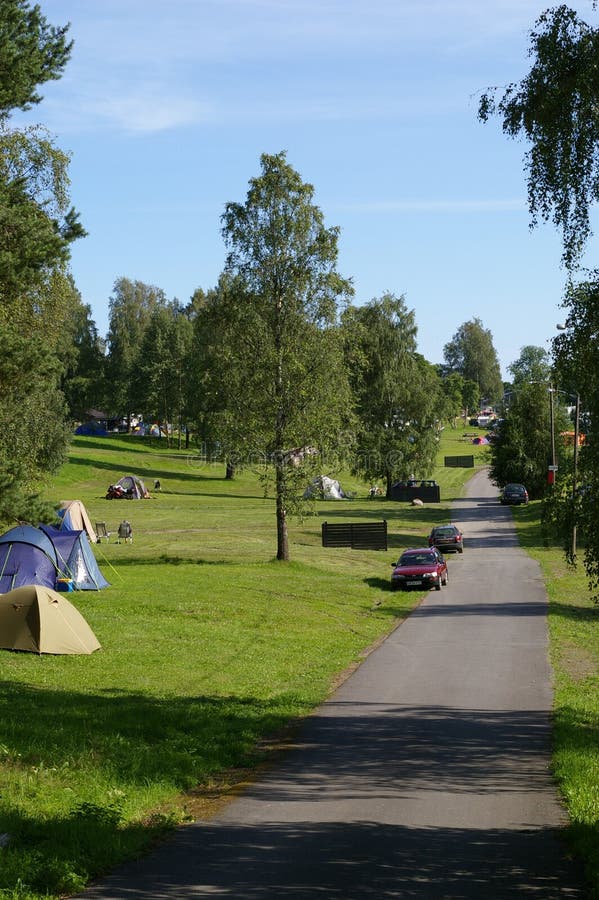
[[357, 535], [427, 491], [459, 462]]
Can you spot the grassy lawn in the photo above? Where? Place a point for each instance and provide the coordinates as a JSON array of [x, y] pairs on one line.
[[574, 635], [210, 648]]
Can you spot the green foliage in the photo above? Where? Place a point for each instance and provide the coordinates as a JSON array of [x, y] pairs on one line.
[[31, 53], [277, 380], [521, 448], [38, 299], [555, 108], [81, 352], [164, 366], [452, 393], [33, 433], [533, 364], [131, 308], [396, 392], [576, 351], [36, 296], [471, 353]]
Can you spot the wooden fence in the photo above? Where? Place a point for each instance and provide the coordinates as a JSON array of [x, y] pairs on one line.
[[357, 535]]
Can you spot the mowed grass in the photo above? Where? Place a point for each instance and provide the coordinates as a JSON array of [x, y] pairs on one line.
[[574, 636], [210, 650]]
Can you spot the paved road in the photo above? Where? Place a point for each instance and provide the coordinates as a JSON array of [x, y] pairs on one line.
[[425, 776]]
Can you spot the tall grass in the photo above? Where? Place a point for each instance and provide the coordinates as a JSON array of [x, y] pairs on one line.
[[209, 648]]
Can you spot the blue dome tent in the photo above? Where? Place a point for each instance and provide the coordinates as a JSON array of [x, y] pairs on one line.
[[45, 556], [27, 556], [75, 559]]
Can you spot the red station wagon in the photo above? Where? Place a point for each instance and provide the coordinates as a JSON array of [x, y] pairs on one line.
[[421, 569]]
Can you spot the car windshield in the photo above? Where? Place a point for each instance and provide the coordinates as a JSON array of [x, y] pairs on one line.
[[417, 559]]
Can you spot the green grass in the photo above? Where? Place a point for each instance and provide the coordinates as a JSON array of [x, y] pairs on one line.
[[574, 636], [209, 648]]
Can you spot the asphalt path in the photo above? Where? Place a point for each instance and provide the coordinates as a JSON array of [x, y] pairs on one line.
[[426, 775]]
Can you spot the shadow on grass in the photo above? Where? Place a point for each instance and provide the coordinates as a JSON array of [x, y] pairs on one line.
[[370, 511], [130, 443], [143, 472], [164, 560], [358, 748]]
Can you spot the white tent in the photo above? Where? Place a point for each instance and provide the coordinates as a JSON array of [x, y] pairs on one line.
[[324, 488]]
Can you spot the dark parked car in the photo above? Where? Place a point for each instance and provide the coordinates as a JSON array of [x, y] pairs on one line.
[[514, 494], [422, 568], [446, 538]]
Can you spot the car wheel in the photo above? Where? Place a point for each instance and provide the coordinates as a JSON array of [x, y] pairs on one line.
[[461, 550], [446, 579]]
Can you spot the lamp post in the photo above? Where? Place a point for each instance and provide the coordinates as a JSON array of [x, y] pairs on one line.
[[575, 472], [553, 466], [561, 327]]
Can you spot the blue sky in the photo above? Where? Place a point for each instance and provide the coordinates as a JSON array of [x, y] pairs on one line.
[[167, 105]]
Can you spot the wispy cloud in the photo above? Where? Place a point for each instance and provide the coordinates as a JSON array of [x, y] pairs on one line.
[[147, 111], [201, 56]]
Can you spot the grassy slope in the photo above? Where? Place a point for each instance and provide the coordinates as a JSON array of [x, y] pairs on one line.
[[209, 646]]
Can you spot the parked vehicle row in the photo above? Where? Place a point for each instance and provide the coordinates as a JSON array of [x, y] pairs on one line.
[[424, 568]]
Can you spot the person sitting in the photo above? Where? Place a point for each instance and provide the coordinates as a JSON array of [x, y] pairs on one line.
[[125, 532]]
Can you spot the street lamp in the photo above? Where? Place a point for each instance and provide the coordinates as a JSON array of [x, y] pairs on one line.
[[553, 466], [561, 327]]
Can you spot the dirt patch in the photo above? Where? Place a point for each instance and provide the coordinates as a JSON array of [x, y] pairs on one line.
[[577, 662]]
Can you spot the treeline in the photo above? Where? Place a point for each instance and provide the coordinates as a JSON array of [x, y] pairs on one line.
[[38, 300], [275, 363]]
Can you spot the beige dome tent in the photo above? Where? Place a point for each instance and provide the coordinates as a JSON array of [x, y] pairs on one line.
[[41, 620], [73, 517]]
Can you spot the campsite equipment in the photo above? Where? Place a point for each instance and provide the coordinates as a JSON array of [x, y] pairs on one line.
[[27, 556], [75, 559], [64, 584], [129, 487], [40, 620], [125, 532], [102, 532]]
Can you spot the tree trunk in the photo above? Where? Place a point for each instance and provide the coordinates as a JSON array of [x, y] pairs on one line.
[[388, 488], [230, 474], [282, 535]]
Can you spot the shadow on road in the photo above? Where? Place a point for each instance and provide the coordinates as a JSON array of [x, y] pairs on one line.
[[351, 861]]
